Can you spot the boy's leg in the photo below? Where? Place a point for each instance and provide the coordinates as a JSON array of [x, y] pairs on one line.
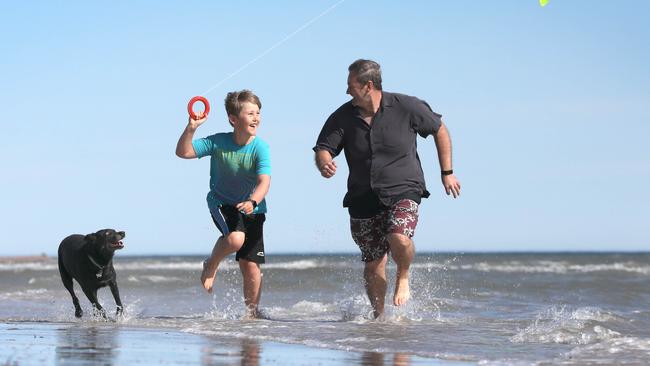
[[252, 285], [225, 246]]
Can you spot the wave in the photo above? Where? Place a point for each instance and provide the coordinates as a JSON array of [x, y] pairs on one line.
[[558, 324], [515, 266], [557, 267], [635, 350], [27, 294], [195, 265]]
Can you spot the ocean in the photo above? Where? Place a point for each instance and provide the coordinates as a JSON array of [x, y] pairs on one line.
[[489, 308]]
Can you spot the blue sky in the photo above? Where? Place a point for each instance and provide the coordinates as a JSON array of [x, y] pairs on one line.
[[548, 109]]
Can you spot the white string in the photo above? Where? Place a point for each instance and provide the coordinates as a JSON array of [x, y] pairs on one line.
[[301, 28]]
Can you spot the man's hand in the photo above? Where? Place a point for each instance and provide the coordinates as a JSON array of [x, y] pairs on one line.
[[451, 184], [328, 170], [245, 207]]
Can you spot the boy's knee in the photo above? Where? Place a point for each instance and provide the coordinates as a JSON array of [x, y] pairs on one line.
[[235, 239]]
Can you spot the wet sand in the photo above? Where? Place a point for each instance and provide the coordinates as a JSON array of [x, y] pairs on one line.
[[28, 343]]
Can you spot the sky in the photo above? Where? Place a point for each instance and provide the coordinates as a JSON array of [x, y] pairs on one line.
[[548, 109]]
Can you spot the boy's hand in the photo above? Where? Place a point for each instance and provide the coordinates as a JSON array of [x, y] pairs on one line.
[[200, 118], [245, 207]]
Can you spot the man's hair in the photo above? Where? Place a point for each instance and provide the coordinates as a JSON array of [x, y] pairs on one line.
[[365, 71], [235, 99]]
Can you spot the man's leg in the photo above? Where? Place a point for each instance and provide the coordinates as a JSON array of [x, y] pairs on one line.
[[403, 251], [374, 275], [252, 285], [225, 246]]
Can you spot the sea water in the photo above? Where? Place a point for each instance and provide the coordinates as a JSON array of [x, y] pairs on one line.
[[495, 308]]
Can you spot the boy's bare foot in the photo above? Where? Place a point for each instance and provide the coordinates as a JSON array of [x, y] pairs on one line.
[[207, 278], [402, 292]]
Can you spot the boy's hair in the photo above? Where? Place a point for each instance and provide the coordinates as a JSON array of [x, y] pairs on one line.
[[235, 99]]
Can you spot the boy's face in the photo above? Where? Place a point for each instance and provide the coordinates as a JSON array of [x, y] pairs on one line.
[[248, 119]]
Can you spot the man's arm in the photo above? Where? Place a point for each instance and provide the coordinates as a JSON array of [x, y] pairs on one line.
[[261, 189], [184, 148], [443, 145], [325, 163]]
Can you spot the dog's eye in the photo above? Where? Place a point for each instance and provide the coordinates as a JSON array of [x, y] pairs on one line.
[[106, 233]]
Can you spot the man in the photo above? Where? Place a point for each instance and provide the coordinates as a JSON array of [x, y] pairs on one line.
[[378, 132]]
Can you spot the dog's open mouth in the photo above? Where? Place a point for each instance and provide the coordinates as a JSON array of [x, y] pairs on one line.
[[117, 245]]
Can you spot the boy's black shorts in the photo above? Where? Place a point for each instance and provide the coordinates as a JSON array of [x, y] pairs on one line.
[[229, 219]]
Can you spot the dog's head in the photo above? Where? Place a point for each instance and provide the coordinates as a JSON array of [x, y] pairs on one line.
[[107, 240]]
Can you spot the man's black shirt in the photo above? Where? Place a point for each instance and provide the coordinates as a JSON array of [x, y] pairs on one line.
[[382, 157]]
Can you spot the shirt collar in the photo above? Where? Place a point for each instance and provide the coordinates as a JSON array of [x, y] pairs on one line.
[[386, 101]]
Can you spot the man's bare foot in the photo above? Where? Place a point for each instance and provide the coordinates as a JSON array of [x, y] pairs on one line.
[[402, 292], [207, 278], [252, 314]]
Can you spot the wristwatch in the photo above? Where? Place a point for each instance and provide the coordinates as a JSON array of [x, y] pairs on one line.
[[254, 203]]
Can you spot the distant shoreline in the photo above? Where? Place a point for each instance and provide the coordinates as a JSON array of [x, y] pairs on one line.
[[45, 257], [24, 258]]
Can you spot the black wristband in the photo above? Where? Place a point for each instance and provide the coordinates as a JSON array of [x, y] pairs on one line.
[[447, 172], [254, 203]]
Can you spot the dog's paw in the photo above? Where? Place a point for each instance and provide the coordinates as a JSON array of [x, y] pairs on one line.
[[78, 313], [119, 311]]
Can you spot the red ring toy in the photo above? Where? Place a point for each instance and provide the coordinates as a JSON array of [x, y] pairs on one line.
[[191, 104]]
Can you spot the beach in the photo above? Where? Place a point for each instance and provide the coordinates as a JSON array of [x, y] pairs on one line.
[[478, 308], [29, 343]]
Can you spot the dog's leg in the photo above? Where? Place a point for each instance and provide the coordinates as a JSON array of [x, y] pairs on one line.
[[67, 282], [116, 296], [92, 296]]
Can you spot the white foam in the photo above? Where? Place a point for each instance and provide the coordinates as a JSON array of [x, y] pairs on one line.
[[636, 351], [28, 266], [297, 265], [33, 293], [302, 264], [564, 326], [560, 267]]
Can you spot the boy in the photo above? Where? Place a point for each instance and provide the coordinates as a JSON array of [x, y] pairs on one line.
[[240, 176]]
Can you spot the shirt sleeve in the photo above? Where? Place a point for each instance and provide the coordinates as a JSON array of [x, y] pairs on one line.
[[424, 120], [330, 137], [263, 165], [204, 146]]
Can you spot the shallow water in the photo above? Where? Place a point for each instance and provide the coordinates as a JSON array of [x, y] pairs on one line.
[[531, 308]]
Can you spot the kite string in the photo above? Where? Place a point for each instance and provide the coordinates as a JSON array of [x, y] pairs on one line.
[[301, 28]]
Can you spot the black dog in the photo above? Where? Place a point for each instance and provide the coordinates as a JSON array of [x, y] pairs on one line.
[[89, 260]]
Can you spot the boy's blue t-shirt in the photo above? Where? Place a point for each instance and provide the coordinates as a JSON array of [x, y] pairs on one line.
[[233, 168]]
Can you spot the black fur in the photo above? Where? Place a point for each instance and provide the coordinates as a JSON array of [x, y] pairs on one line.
[[89, 260]]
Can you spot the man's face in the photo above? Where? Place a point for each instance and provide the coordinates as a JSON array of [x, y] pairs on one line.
[[248, 119], [358, 92]]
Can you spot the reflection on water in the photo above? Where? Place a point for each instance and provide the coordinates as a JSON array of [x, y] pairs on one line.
[[221, 354], [381, 359], [81, 345]]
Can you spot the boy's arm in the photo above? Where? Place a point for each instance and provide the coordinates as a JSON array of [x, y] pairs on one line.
[[184, 148], [261, 189]]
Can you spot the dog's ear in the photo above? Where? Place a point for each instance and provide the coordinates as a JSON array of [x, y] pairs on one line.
[[91, 238]]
